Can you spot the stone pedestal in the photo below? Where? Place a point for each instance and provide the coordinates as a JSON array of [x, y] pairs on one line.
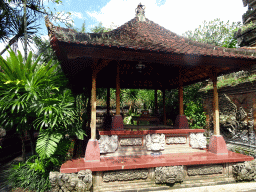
[[181, 122], [218, 145], [92, 153], [117, 123]]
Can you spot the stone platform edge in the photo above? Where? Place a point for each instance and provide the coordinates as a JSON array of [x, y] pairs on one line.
[[165, 131]]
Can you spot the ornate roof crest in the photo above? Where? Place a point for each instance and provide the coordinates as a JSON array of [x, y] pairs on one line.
[[140, 12]]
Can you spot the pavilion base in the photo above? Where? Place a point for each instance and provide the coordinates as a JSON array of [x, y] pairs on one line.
[[117, 123], [92, 153], [181, 122], [191, 169], [218, 145]]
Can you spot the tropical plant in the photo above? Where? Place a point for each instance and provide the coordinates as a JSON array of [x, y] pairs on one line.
[[24, 176], [30, 92], [19, 20], [17, 29], [36, 96]]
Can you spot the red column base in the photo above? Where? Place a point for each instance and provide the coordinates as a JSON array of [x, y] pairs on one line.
[[218, 145], [92, 153], [181, 122], [117, 123]]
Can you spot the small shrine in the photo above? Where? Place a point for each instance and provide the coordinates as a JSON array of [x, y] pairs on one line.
[[141, 54]]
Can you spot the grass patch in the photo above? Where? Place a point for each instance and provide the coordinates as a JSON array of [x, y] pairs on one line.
[[230, 81]]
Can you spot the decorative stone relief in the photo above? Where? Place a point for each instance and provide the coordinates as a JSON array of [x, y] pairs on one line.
[[205, 170], [125, 175], [81, 181], [174, 140], [131, 141], [197, 140], [169, 174], [155, 142], [245, 171], [108, 143]]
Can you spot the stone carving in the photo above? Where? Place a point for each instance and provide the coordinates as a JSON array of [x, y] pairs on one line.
[[245, 171], [155, 142], [197, 140], [108, 143], [131, 141], [174, 140], [236, 123], [125, 175], [81, 181], [169, 174], [140, 10], [205, 170]]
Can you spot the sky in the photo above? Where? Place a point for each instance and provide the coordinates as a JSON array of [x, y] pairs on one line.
[[175, 15]]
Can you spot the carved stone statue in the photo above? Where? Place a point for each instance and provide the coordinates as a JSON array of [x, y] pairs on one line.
[[140, 9], [155, 142], [108, 143], [140, 12]]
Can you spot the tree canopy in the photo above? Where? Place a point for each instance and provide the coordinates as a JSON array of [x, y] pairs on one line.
[[215, 32]]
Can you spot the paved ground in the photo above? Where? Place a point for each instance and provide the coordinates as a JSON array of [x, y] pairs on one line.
[[240, 187]]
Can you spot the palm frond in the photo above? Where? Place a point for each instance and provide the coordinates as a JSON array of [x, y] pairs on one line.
[[47, 143]]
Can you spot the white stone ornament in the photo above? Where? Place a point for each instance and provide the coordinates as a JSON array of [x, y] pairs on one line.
[[155, 142], [108, 144], [197, 140], [176, 140]]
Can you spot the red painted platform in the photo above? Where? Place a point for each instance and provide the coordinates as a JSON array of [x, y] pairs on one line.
[[136, 162], [165, 131]]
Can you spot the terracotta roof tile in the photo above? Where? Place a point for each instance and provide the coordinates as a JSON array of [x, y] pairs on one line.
[[146, 35]]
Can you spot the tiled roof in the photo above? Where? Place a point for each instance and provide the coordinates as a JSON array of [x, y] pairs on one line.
[[146, 35]]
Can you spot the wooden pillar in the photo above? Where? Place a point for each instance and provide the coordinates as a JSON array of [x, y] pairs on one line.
[[181, 121], [217, 143], [156, 113], [93, 109], [216, 119], [181, 111], [117, 91], [108, 101], [164, 107]]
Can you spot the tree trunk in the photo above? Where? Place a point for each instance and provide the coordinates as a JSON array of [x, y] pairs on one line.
[[22, 136], [13, 40], [32, 141], [25, 30]]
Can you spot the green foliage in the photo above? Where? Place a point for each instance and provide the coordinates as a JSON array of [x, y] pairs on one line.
[[193, 107], [100, 29], [29, 177], [37, 95], [195, 114], [231, 80], [215, 32], [251, 25]]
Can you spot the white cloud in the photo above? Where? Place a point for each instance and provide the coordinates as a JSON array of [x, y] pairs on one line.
[[76, 15], [177, 16]]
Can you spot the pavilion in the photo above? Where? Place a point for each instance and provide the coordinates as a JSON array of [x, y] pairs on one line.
[[142, 54]]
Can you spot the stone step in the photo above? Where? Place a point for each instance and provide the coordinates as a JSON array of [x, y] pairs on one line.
[[145, 185], [139, 185]]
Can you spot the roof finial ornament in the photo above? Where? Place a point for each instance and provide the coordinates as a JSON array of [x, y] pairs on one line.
[[140, 12]]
